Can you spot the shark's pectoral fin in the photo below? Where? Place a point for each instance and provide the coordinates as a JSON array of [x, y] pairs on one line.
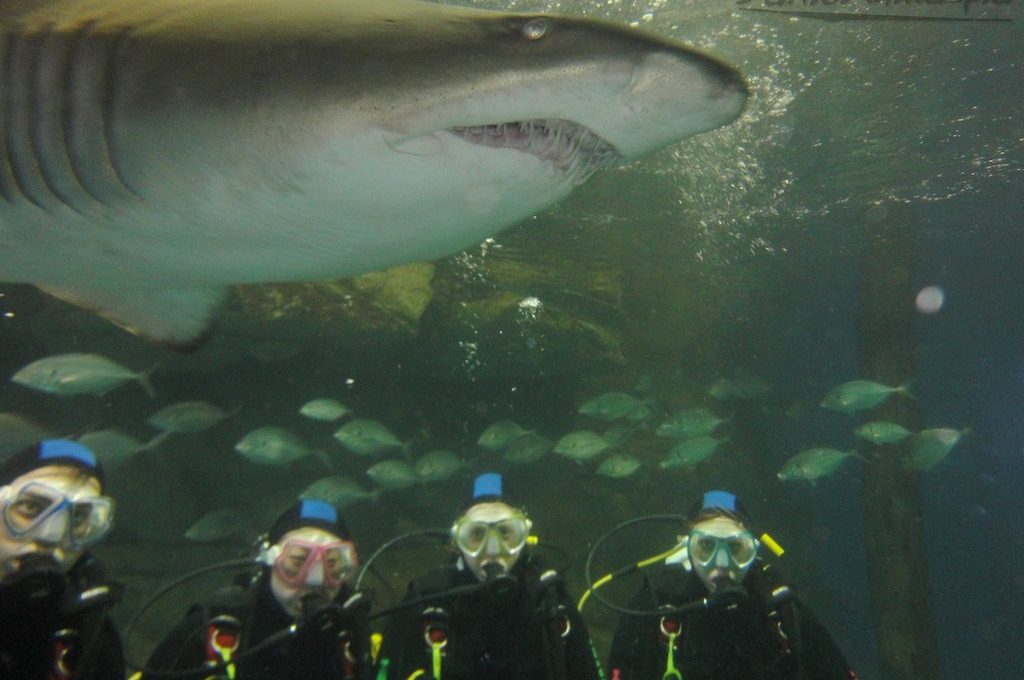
[[180, 317]]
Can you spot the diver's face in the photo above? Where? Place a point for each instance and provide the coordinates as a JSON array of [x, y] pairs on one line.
[[32, 525], [721, 551], [491, 537], [310, 561]]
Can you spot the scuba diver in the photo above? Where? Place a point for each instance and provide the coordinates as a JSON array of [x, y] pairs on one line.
[[495, 613], [733, 620], [54, 597], [296, 619]]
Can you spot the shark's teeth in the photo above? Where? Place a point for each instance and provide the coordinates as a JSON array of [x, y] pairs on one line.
[[572, 148]]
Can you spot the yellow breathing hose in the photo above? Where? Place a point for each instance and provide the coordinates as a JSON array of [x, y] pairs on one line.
[[765, 539], [627, 570]]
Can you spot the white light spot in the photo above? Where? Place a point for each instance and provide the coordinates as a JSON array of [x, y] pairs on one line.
[[8, 315], [534, 29], [350, 381], [930, 299]]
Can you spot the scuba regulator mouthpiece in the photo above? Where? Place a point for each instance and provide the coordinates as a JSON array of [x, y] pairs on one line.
[[37, 578], [728, 595], [498, 582], [313, 603]]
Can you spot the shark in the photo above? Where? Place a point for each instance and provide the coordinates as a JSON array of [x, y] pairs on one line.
[[153, 153]]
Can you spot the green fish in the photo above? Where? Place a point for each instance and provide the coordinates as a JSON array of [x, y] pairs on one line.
[[581, 446], [931, 446], [338, 490], [112, 447], [500, 434], [609, 406], [218, 526], [187, 416], [437, 465], [882, 432], [695, 422], [17, 432], [618, 433], [324, 409], [641, 413], [529, 448], [690, 452], [858, 395], [811, 464], [393, 474], [275, 446], [365, 437], [618, 465], [742, 387]]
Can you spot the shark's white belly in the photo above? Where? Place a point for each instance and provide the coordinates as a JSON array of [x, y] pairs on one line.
[[372, 208]]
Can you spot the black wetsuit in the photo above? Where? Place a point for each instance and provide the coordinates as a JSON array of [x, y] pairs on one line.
[[331, 645], [45, 615], [509, 629], [763, 635]]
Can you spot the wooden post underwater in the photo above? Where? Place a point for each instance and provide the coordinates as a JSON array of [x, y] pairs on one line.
[[893, 521]]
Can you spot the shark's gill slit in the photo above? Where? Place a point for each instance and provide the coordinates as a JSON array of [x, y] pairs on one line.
[[76, 92], [572, 148], [15, 118], [46, 82], [112, 77]]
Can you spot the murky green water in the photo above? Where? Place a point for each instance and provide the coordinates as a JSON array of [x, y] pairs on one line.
[[736, 253]]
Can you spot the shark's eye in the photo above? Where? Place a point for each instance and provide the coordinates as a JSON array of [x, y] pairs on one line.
[[534, 29]]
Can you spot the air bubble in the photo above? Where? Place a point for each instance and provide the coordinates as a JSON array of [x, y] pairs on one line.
[[930, 299]]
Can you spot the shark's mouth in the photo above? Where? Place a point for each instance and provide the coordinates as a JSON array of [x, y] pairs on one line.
[[572, 148]]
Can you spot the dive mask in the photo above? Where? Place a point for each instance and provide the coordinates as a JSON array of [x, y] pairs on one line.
[[721, 551], [36, 511], [299, 563], [505, 536], [491, 537]]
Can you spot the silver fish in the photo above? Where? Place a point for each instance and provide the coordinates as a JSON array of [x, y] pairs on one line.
[[365, 437], [78, 373], [690, 452], [392, 474], [187, 416], [618, 465], [581, 446], [609, 406], [159, 151], [882, 432], [437, 465], [812, 464], [324, 409], [500, 434], [858, 395], [529, 448], [338, 490]]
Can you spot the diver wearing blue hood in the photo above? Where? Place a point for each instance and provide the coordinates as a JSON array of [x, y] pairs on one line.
[[54, 596], [494, 613], [297, 619], [750, 626]]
